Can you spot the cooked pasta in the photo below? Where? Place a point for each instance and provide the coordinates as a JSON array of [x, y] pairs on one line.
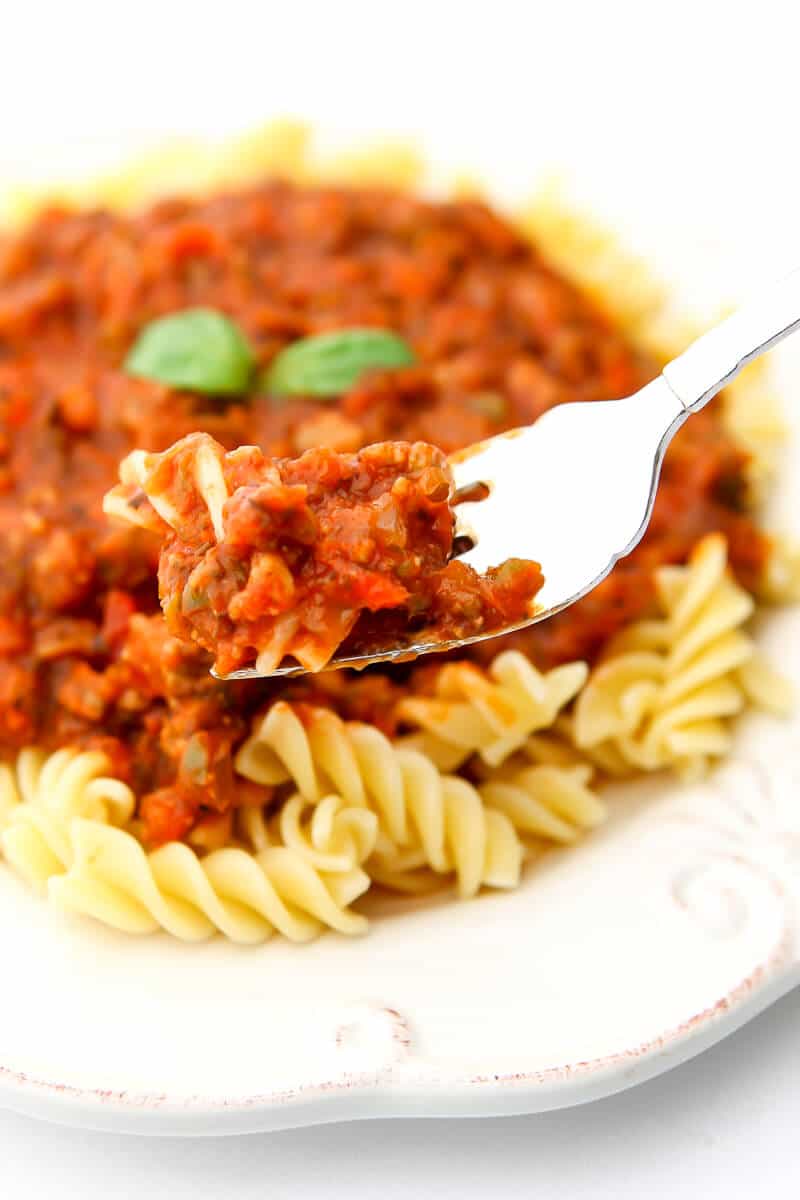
[[781, 580], [553, 803], [665, 692], [39, 798], [439, 820], [59, 829], [331, 835], [491, 828], [138, 500], [318, 752], [397, 822], [490, 712], [430, 823], [468, 839], [244, 896]]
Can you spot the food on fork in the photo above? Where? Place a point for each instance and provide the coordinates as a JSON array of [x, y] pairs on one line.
[[263, 558]]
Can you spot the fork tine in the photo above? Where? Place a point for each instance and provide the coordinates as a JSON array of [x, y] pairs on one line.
[[573, 491]]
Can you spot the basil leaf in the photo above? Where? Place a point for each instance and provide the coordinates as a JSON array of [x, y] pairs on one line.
[[328, 364], [198, 349]]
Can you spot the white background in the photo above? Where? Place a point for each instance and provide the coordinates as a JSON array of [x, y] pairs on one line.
[[696, 109]]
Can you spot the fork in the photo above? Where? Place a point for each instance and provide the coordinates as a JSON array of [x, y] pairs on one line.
[[575, 490]]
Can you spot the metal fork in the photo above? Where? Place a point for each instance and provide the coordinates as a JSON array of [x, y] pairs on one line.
[[575, 491]]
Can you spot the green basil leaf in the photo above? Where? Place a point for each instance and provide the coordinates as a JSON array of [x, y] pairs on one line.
[[328, 364], [197, 349]]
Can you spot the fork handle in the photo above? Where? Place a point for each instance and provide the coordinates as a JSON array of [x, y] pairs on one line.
[[719, 355]]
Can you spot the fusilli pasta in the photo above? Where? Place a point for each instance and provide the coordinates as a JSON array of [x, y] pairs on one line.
[[59, 818], [393, 819], [135, 471], [667, 687], [781, 582], [467, 839], [40, 796], [491, 712], [415, 805], [245, 896], [428, 821], [331, 835], [554, 803]]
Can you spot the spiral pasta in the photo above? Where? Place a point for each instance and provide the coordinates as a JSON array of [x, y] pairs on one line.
[[331, 835], [547, 804], [59, 829], [552, 803], [39, 797], [247, 897], [142, 498], [490, 713], [321, 753], [426, 819], [478, 846], [430, 824], [781, 581], [664, 694], [135, 471]]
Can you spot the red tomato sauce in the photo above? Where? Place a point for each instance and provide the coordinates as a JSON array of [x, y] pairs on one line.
[[314, 552], [85, 655]]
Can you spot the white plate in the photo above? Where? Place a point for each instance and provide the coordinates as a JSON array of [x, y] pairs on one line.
[[612, 963], [653, 939]]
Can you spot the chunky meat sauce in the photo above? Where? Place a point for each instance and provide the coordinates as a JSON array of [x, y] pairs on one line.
[[267, 558]]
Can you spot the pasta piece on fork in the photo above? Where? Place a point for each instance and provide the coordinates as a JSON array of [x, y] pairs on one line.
[[267, 558]]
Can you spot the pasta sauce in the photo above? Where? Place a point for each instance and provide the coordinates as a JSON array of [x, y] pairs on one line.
[[266, 558], [86, 657]]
